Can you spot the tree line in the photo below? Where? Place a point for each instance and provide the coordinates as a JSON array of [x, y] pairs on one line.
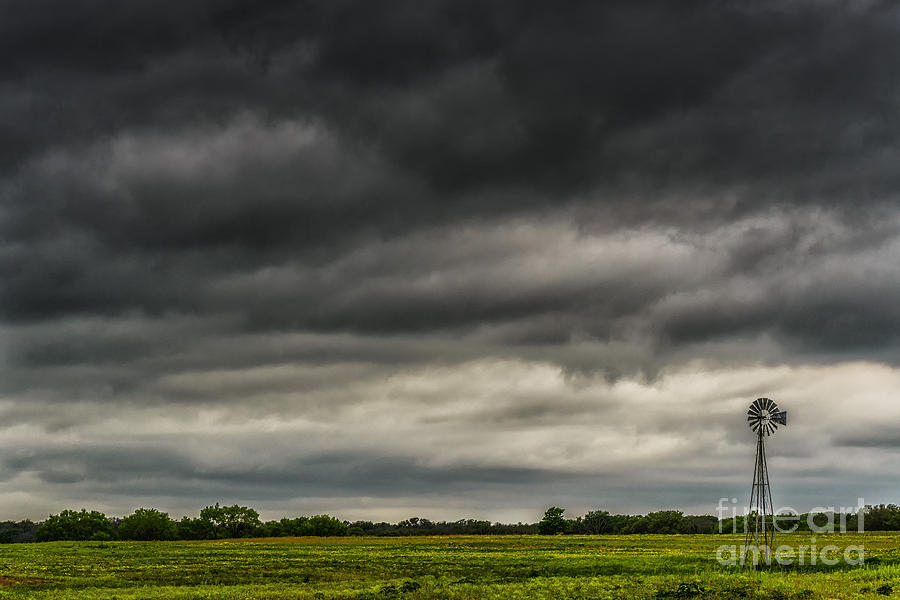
[[147, 524], [222, 522], [599, 522], [881, 517]]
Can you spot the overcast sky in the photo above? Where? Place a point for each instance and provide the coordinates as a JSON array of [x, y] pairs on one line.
[[446, 259]]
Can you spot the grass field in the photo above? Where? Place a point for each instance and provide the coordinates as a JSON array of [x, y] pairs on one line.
[[648, 566]]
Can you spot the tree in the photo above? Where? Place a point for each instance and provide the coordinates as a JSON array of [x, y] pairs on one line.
[[12, 532], [270, 529], [294, 527], [597, 522], [195, 529], [232, 521], [664, 521], [324, 525], [882, 517], [553, 521], [147, 524], [72, 525], [699, 524]]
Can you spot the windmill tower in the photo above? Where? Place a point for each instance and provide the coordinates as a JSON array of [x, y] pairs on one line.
[[763, 418]]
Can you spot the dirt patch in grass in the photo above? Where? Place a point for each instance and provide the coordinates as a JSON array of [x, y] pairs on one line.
[[4, 581]]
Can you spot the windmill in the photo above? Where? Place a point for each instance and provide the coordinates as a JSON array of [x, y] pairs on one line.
[[763, 418]]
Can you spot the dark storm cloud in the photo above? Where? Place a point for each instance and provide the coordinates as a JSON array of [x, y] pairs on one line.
[[344, 473], [879, 437], [475, 96], [187, 144], [327, 213]]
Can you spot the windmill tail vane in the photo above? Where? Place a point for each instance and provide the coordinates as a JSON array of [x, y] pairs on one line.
[[763, 417]]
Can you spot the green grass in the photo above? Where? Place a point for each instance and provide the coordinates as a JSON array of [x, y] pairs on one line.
[[418, 568]]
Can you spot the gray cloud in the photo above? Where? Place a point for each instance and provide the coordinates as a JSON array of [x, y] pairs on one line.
[[308, 252]]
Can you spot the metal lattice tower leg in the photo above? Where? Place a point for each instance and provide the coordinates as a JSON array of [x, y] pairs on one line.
[[759, 546]]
